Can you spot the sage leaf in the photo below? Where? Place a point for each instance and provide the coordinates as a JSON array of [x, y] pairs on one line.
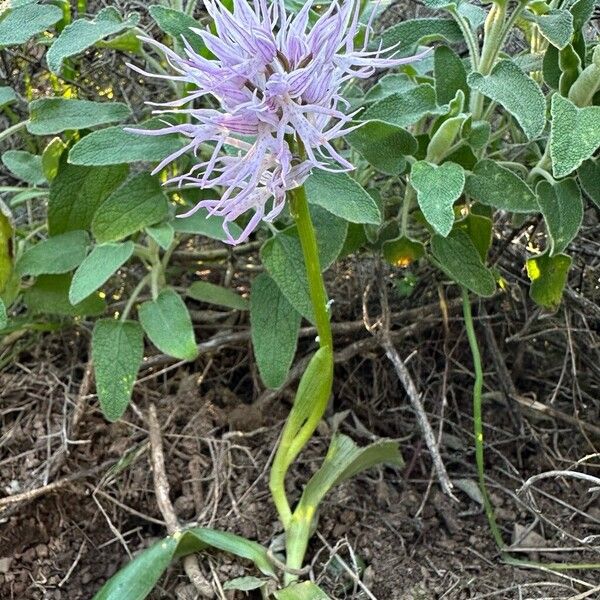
[[495, 185], [23, 22], [548, 276], [307, 590], [97, 267], [7, 95], [342, 196], [203, 291], [168, 324], [520, 95], [407, 35], [562, 207], [460, 259], [48, 116], [274, 328], [202, 223], [556, 26], [178, 24], [589, 178], [450, 75], [57, 254], [82, 33], [139, 202], [574, 134], [162, 233], [438, 188], [117, 354], [25, 166]]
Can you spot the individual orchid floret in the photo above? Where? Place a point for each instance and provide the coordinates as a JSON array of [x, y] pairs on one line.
[[278, 85]]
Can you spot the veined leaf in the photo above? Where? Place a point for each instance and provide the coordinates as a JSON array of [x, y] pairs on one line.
[[205, 291], [23, 22], [81, 34], [574, 134], [520, 95], [178, 24], [117, 353], [48, 116], [274, 328], [388, 85], [556, 26], [450, 75], [562, 207], [55, 255], [24, 166], [168, 324]]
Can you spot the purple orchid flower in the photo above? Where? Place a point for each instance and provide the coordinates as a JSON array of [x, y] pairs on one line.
[[275, 79]]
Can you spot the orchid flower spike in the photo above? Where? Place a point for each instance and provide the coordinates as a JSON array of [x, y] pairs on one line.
[[278, 83]]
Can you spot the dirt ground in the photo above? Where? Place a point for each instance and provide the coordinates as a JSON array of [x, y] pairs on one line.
[[388, 534]]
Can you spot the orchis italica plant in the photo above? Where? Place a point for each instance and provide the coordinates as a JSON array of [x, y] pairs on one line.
[[279, 84]]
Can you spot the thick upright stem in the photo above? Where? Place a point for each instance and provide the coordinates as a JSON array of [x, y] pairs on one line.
[[477, 417]]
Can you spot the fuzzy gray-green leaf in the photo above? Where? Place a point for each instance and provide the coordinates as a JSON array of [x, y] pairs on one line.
[[58, 254]]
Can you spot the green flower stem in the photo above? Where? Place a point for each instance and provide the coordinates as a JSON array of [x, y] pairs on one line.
[[477, 418], [295, 435]]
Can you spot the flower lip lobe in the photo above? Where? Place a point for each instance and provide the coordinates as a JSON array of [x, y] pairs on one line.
[[276, 80]]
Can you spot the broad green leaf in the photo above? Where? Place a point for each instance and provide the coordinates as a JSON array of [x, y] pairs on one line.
[[98, 266], [7, 233], [582, 11], [438, 188], [383, 145], [479, 229], [50, 295], [550, 67], [283, 258], [25, 166], [137, 579], [204, 291], [404, 108], [7, 95], [402, 251], [479, 134], [342, 196], [3, 315], [128, 41], [589, 178], [442, 141], [495, 185], [168, 324], [344, 460], [201, 223], [407, 35], [114, 145], [461, 261], [117, 353], [520, 95], [178, 24], [51, 158], [306, 590], [389, 84], [556, 26], [450, 74], [574, 134], [548, 276], [77, 192], [474, 14], [562, 207], [139, 202], [24, 22], [48, 116], [244, 584], [274, 328], [82, 33], [58, 254], [162, 233]]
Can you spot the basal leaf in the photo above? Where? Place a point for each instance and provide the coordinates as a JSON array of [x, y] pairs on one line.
[[48, 116], [50, 295], [139, 202], [383, 145], [450, 75], [438, 188], [25, 166], [55, 255], [589, 178], [117, 353], [342, 196], [495, 185], [98, 266], [114, 146], [168, 324], [23, 22], [204, 291], [548, 275], [520, 95], [83, 33], [574, 134], [562, 207], [77, 192], [274, 328], [461, 261]]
